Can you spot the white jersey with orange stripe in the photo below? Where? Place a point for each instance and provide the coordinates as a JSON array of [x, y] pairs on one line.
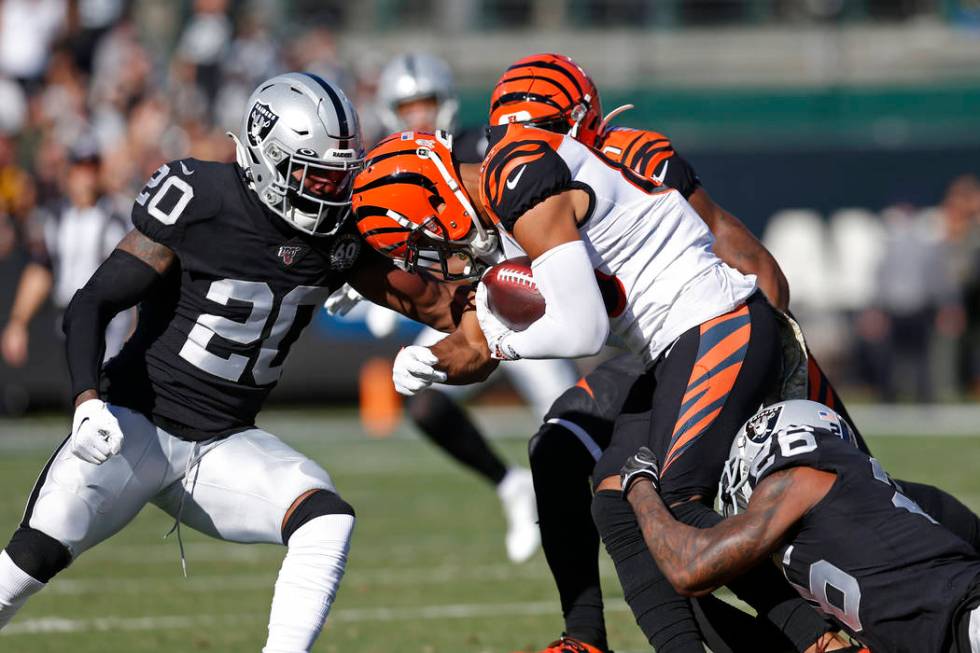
[[650, 250]]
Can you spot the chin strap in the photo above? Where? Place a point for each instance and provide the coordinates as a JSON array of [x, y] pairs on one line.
[[241, 156], [612, 114]]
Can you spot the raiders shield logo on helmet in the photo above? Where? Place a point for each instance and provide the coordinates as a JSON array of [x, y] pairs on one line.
[[761, 425], [261, 120], [345, 252]]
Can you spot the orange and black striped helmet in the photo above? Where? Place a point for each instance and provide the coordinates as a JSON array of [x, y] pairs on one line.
[[410, 205], [551, 91]]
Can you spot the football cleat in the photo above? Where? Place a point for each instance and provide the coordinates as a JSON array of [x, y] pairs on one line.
[[569, 645], [516, 492]]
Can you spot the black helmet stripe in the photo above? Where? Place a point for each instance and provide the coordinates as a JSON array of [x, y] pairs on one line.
[[525, 97], [384, 230], [551, 66], [387, 155], [533, 78], [400, 178], [346, 131]]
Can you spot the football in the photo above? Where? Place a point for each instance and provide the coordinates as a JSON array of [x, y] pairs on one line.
[[512, 294]]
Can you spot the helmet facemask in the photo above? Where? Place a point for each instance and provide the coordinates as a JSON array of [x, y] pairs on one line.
[[295, 198], [428, 248], [734, 490]]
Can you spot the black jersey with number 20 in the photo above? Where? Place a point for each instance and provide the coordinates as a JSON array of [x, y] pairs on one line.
[[867, 555], [214, 332]]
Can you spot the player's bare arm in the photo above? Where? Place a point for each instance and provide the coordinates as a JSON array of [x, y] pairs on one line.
[[415, 295], [739, 248], [697, 561], [157, 256], [552, 222], [120, 283], [464, 355]]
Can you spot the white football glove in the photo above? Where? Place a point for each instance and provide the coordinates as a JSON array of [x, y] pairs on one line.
[[493, 329], [413, 370], [342, 300], [95, 432]]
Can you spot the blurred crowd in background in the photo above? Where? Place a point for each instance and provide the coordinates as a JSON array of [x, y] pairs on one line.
[[96, 94]]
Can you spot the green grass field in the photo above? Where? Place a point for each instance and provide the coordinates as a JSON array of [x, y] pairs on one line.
[[427, 572]]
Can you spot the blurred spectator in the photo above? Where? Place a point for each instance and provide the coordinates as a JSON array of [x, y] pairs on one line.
[[13, 107], [204, 43], [915, 293], [16, 186], [27, 30], [78, 233], [960, 216]]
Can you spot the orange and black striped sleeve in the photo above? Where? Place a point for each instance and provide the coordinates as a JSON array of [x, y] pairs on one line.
[[650, 154], [522, 169]]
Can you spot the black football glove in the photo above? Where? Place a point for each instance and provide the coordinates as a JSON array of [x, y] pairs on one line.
[[642, 464]]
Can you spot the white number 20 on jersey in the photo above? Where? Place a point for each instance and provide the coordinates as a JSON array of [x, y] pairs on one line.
[[260, 296], [175, 184]]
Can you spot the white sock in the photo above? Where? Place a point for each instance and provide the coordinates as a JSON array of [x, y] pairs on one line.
[[16, 586], [307, 583]]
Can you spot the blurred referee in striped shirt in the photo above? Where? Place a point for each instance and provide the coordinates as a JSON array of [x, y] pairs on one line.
[[78, 232]]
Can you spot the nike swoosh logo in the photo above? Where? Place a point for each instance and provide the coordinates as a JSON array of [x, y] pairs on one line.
[[187, 171], [512, 182], [663, 173]]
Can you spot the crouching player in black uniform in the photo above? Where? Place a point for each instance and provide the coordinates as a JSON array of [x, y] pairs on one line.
[[797, 487], [227, 263]]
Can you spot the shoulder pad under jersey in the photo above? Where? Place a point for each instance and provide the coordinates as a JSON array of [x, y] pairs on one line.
[[178, 194], [521, 169]]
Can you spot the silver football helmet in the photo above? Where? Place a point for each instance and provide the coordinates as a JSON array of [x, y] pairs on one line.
[[752, 444], [416, 76], [300, 145]]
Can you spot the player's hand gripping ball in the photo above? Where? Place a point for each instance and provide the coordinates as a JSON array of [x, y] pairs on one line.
[[512, 294]]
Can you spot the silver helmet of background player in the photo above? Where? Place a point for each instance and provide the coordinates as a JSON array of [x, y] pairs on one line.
[[300, 145], [417, 76], [750, 452]]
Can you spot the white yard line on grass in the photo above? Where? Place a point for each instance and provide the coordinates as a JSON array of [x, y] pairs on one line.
[[383, 577], [28, 434], [350, 615]]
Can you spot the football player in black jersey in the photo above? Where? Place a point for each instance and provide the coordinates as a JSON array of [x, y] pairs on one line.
[[797, 488], [227, 263]]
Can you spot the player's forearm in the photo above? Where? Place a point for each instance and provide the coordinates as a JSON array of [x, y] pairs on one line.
[[417, 296], [695, 561], [119, 283], [33, 289], [463, 355], [575, 322]]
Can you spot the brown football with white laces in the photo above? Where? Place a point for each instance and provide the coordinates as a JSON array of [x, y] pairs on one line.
[[512, 294]]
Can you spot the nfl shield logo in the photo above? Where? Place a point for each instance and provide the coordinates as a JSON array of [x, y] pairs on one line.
[[289, 253]]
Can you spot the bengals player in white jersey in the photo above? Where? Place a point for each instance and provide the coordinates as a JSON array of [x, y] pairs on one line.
[[552, 91]]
